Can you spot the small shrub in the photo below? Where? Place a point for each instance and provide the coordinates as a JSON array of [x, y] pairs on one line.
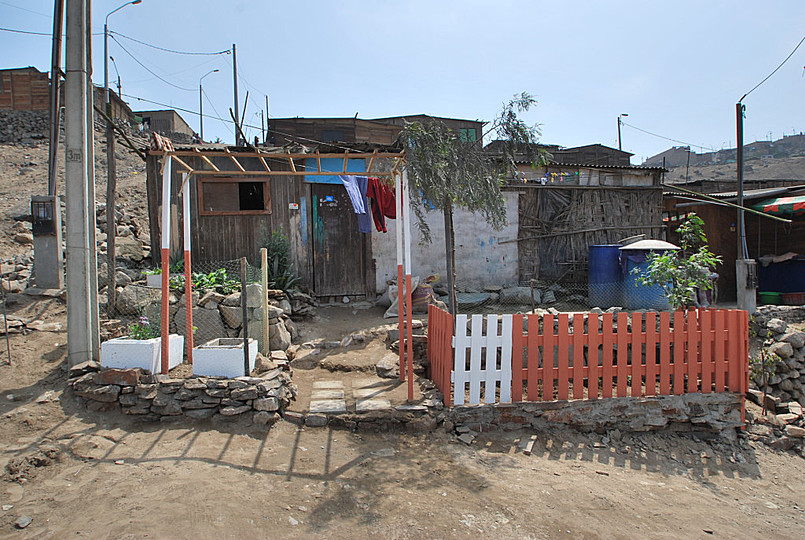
[[141, 329]]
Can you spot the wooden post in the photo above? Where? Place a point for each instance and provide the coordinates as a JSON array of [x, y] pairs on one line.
[[188, 286], [166, 199], [450, 254], [400, 285], [244, 307], [408, 292], [265, 349], [111, 228]]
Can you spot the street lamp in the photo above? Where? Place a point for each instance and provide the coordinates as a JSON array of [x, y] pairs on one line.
[[201, 106], [111, 172], [620, 122], [114, 65], [106, 48]]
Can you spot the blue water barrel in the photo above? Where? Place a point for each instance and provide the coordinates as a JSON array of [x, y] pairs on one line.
[[637, 295], [604, 276]]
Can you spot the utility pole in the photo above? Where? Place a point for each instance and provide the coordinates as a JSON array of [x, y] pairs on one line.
[[89, 141], [235, 81], [78, 131], [268, 115], [745, 269], [620, 122], [46, 210]]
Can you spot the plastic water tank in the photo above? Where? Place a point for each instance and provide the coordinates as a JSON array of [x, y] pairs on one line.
[[604, 276], [637, 295]]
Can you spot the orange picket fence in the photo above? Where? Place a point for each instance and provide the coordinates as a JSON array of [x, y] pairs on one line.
[[543, 358]]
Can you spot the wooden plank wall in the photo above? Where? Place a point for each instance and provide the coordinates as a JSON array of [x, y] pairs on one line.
[[558, 224], [221, 238], [24, 90]]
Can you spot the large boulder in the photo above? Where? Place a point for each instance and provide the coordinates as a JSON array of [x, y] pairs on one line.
[[133, 299], [128, 247], [207, 321]]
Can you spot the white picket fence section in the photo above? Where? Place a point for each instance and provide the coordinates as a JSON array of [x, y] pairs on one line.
[[486, 371]]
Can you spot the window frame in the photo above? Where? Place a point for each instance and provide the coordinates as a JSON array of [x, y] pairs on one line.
[[234, 180]]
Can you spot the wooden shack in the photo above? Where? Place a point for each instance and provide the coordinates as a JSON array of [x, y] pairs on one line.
[[564, 208], [234, 213]]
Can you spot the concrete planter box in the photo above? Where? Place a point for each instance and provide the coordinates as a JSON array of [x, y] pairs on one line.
[[223, 357], [155, 280], [122, 353]]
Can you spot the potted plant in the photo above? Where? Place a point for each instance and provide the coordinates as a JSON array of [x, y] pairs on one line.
[[141, 348], [223, 357]]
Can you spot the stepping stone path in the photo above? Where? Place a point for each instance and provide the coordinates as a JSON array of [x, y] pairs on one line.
[[367, 396], [328, 398]]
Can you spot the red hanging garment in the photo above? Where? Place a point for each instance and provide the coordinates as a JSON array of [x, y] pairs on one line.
[[383, 203]]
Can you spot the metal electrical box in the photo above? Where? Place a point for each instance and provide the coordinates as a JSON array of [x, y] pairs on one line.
[[43, 212]]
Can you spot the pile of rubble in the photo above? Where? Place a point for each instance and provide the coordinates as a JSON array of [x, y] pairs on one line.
[[152, 397], [23, 126]]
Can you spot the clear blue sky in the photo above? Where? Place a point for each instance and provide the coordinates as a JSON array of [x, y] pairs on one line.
[[677, 68]]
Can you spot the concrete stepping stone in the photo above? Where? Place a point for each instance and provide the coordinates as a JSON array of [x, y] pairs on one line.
[[328, 406], [326, 394], [373, 404], [329, 385], [363, 393]]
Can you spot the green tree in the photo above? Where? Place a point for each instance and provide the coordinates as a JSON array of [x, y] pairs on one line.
[[447, 172], [681, 272]]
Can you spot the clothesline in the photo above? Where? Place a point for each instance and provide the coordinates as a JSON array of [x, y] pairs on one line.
[[362, 188]]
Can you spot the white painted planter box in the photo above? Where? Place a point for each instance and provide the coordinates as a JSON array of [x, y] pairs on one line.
[[223, 357], [155, 280], [122, 353]]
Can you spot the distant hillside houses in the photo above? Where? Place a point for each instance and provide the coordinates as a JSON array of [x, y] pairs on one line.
[[677, 156]]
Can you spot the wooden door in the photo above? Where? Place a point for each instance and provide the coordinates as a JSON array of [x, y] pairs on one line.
[[339, 260]]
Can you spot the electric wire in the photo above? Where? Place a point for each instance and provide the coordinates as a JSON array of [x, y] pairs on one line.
[[668, 138], [189, 53], [787, 58], [151, 71], [25, 9]]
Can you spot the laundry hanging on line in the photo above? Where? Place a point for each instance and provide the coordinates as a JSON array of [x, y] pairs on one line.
[[356, 187], [383, 202]]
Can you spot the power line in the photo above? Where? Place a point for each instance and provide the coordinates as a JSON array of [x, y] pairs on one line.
[[189, 53], [14, 30], [775, 70], [25, 9], [151, 71], [668, 138]]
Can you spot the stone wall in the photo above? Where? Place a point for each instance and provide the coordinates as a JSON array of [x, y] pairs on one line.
[[787, 347], [715, 413], [153, 397]]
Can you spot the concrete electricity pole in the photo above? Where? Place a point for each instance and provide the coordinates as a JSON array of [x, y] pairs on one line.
[[82, 326], [235, 81]]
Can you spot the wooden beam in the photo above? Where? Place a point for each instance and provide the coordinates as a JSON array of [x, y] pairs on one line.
[[206, 160], [371, 162], [235, 161], [183, 164], [265, 165], [318, 161], [275, 173], [290, 160], [279, 155], [346, 160]]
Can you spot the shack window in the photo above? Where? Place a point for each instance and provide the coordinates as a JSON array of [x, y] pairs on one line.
[[234, 196], [468, 135]]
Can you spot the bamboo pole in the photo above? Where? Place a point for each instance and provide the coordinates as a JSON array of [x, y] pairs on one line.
[[188, 285]]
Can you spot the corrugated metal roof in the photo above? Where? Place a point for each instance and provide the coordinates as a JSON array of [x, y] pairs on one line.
[[731, 196], [552, 163]]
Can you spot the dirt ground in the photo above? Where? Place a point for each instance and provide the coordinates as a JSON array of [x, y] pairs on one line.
[[79, 474], [87, 475]]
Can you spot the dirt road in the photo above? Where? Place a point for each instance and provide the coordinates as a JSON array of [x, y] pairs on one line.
[[89, 475]]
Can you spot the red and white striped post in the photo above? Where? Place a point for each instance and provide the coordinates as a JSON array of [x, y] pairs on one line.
[[400, 284], [188, 286], [408, 299], [166, 244]]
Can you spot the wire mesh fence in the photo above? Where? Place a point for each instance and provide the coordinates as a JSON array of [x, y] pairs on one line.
[[216, 299]]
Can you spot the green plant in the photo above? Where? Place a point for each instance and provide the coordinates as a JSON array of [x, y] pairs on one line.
[[141, 329], [153, 272], [762, 368], [681, 272], [218, 281], [281, 273]]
